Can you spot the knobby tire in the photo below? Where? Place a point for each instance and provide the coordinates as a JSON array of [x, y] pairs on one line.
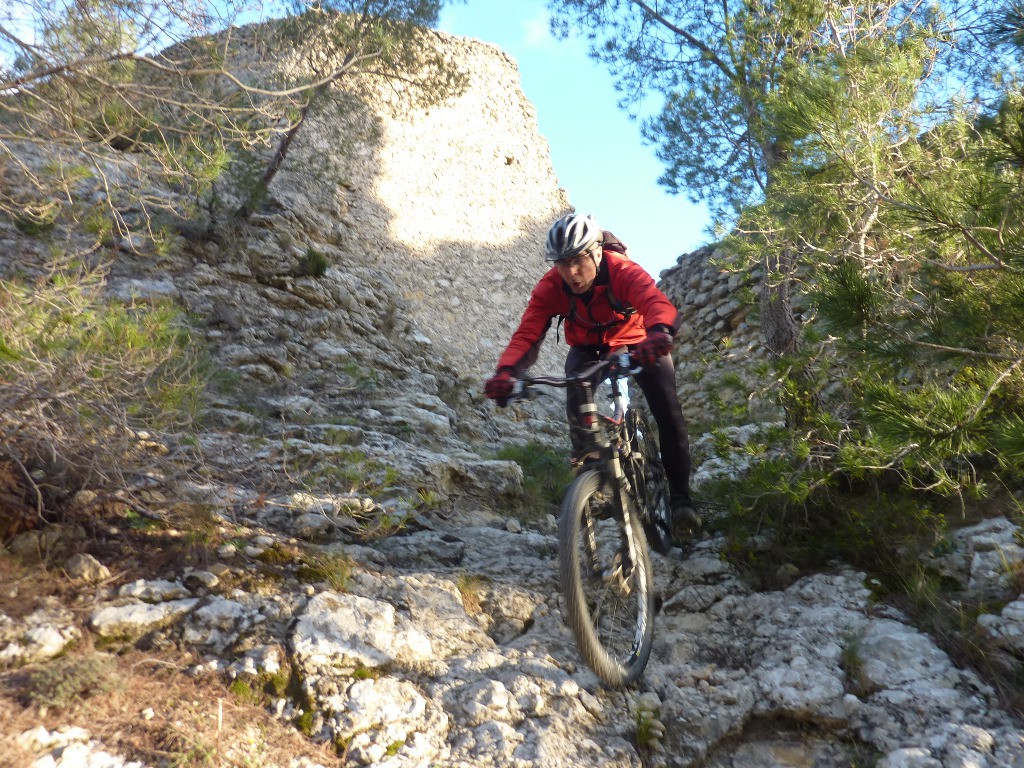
[[653, 494], [614, 631]]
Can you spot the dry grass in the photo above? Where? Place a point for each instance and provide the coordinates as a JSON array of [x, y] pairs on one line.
[[194, 722], [17, 581], [471, 589]]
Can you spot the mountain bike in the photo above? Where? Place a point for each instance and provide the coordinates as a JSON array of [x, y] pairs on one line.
[[618, 502]]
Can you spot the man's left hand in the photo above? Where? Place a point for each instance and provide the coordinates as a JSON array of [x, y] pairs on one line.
[[657, 344], [499, 386]]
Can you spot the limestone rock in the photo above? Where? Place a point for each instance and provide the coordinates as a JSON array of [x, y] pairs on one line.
[[134, 619], [87, 567], [42, 634]]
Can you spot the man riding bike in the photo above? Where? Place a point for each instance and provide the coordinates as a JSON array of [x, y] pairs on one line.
[[608, 303]]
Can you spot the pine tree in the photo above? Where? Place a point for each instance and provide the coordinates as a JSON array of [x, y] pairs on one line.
[[721, 71], [910, 206]]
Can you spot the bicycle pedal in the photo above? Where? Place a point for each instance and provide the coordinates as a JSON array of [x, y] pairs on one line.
[[576, 462]]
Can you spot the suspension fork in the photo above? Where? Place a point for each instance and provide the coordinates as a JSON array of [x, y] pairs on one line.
[[596, 436]]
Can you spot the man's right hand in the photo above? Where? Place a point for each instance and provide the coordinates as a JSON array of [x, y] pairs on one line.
[[657, 344], [499, 387]]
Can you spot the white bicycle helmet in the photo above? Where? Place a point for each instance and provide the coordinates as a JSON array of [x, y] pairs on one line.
[[571, 234]]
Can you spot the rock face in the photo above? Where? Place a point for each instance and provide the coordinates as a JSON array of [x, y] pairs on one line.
[[453, 202], [414, 664]]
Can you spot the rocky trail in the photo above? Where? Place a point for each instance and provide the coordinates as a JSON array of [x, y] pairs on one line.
[[446, 646]]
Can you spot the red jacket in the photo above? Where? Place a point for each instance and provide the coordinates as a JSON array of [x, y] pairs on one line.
[[591, 319]]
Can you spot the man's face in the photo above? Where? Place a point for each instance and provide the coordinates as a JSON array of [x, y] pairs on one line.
[[579, 271]]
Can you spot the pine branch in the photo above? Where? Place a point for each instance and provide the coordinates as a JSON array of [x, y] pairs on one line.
[[694, 42], [999, 379]]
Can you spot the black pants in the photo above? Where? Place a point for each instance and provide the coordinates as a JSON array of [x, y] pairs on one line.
[[659, 387]]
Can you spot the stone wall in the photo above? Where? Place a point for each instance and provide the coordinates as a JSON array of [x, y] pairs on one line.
[[719, 348]]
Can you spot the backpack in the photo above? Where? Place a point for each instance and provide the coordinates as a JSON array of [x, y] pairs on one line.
[[612, 243]]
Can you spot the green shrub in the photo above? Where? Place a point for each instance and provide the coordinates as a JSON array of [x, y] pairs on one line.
[[87, 382], [362, 672], [35, 222], [277, 554], [313, 263], [362, 380], [336, 570], [276, 684], [304, 722], [649, 729], [546, 474], [337, 436], [244, 692], [851, 662], [383, 524], [260, 689], [792, 506], [427, 499], [64, 681], [343, 478]]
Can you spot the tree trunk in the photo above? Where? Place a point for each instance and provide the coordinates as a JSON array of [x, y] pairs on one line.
[[247, 208], [781, 332], [778, 325]]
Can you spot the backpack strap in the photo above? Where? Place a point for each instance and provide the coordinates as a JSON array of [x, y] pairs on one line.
[[618, 306], [572, 316], [626, 310], [569, 316]]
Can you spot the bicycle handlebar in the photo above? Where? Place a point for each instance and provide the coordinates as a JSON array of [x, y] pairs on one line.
[[615, 365]]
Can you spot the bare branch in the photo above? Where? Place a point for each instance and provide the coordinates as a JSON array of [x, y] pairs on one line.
[[962, 351]]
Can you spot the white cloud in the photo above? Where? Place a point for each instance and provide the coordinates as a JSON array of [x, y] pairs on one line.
[[537, 31]]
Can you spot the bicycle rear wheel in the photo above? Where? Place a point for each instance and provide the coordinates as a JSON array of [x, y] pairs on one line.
[[606, 578], [652, 494]]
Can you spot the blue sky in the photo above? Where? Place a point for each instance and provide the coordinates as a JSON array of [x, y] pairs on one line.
[[596, 150]]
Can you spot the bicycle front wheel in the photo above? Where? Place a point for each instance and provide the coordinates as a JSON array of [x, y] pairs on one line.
[[606, 579]]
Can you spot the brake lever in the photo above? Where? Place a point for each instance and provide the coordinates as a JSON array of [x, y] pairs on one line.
[[626, 363], [520, 391]]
